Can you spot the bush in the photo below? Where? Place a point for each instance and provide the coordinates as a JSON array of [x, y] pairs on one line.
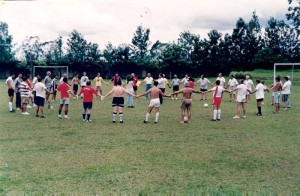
[[240, 75]]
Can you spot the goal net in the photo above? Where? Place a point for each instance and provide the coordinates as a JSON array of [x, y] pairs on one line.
[[287, 69], [55, 70]]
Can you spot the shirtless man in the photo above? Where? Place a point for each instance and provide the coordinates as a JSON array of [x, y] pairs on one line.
[[11, 91], [154, 101], [186, 102], [118, 100]]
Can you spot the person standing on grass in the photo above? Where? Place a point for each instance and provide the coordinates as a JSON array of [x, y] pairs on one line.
[[154, 101], [34, 81], [40, 94], [259, 95], [249, 84], [88, 95], [241, 99], [75, 83], [232, 84], [217, 100], [148, 81], [11, 90], [134, 83], [64, 90], [286, 91], [129, 87], [203, 83], [54, 87], [276, 88], [98, 80], [186, 102], [175, 84], [221, 79], [25, 95], [162, 82], [115, 79], [118, 100], [47, 82], [17, 83]]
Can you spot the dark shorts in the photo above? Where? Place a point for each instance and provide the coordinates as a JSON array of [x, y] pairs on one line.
[[285, 97], [118, 101], [75, 87], [203, 90], [186, 104], [135, 88], [87, 105], [39, 101], [10, 92], [175, 88], [259, 100]]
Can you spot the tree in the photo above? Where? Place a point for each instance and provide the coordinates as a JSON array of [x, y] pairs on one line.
[[32, 48], [6, 53], [294, 14], [141, 45], [53, 50]]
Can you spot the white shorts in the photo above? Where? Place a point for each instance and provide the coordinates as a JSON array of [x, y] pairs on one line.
[[241, 99], [64, 101], [154, 103], [231, 88]]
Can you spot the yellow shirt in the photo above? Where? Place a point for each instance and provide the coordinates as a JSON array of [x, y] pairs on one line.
[[98, 81]]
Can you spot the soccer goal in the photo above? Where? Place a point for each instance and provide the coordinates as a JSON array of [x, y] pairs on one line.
[[291, 69], [55, 70]]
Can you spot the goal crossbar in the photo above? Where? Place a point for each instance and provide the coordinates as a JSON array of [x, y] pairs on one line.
[[285, 64], [51, 67]]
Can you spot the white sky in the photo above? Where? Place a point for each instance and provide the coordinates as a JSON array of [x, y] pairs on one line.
[[101, 21]]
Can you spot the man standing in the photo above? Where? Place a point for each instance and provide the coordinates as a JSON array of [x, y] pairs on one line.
[[232, 83], [10, 91], [259, 95], [17, 82], [98, 80], [203, 82], [149, 81], [221, 79], [118, 100], [286, 91], [75, 84], [162, 82], [134, 82], [175, 84], [249, 84], [115, 79], [25, 94], [88, 93], [64, 90], [154, 101], [241, 99], [40, 94], [47, 82], [83, 80], [186, 102], [276, 88]]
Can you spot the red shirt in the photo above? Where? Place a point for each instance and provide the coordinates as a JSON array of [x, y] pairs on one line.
[[191, 84], [64, 90], [134, 81], [88, 93]]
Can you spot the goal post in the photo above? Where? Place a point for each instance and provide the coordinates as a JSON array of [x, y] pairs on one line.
[[57, 70], [292, 65]]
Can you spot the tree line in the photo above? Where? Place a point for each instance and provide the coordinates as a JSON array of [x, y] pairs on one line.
[[249, 46]]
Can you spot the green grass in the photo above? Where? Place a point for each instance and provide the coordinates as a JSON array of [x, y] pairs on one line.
[[256, 154]]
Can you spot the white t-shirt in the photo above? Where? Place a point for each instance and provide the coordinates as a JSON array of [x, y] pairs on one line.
[[162, 82], [232, 82], [175, 82], [260, 91], [241, 91], [39, 89], [249, 84], [129, 87], [222, 81], [184, 80], [148, 80], [286, 88], [203, 83], [34, 81], [220, 91], [83, 80]]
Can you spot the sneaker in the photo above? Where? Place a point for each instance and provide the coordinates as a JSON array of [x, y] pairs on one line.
[[12, 110], [43, 116], [213, 120], [89, 120], [28, 106], [83, 120], [37, 115], [121, 121], [60, 116], [244, 116], [236, 117], [145, 121], [218, 119], [34, 105], [113, 121], [258, 114], [176, 98], [18, 109], [22, 113], [155, 122], [132, 107], [66, 117], [25, 113]]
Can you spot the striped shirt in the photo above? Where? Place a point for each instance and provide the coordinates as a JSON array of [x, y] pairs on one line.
[[24, 89]]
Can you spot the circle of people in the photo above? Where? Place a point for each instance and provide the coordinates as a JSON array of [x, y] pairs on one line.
[[38, 92]]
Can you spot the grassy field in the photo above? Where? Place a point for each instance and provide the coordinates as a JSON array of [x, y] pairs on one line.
[[233, 156]]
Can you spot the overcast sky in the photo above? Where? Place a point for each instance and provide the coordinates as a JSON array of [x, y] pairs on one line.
[[103, 21]]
